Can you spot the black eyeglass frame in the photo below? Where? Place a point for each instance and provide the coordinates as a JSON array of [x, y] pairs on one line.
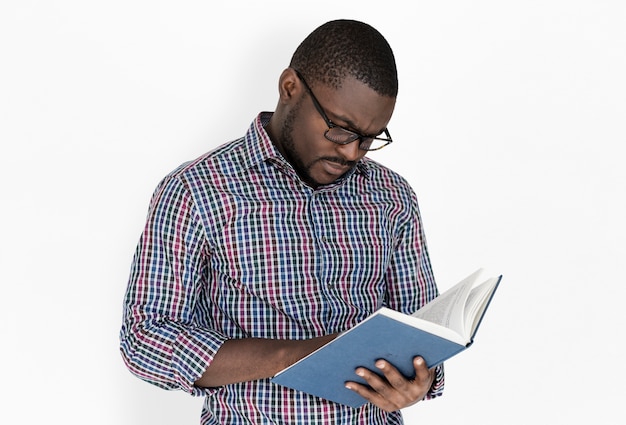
[[364, 140]]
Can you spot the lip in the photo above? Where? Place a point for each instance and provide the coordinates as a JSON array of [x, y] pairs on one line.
[[334, 168]]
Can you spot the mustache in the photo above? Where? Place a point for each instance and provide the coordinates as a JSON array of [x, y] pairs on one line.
[[339, 161]]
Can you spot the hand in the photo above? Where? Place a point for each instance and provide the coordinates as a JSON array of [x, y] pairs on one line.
[[394, 391]]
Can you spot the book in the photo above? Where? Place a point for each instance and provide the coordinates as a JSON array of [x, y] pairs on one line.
[[439, 330]]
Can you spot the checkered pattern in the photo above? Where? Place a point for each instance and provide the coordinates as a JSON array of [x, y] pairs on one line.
[[236, 245]]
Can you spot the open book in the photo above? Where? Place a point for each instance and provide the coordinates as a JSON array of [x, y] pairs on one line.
[[439, 330]]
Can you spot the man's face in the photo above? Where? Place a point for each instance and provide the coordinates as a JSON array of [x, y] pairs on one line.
[[355, 106]]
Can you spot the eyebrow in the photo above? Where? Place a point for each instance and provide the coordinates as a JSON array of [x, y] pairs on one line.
[[324, 112], [351, 126]]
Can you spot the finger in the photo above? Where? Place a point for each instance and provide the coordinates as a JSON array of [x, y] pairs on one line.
[[405, 391], [393, 375], [390, 391], [393, 391], [371, 395], [421, 370], [423, 375]]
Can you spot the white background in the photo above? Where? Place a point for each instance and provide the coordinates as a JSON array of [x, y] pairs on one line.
[[509, 125]]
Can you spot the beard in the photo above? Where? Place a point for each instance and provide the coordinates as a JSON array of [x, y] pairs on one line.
[[289, 147], [292, 156]]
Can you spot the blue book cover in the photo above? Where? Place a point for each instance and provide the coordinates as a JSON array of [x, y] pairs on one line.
[[386, 334]]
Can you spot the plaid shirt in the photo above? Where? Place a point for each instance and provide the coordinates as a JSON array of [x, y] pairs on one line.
[[236, 245]]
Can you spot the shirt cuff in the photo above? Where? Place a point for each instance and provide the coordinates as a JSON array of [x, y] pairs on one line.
[[193, 351], [436, 389]]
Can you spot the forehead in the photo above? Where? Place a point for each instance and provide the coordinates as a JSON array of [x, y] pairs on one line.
[[356, 105]]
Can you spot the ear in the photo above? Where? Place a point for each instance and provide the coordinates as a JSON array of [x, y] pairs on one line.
[[289, 86]]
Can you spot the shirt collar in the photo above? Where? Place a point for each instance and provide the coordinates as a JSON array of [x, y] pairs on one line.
[[259, 148]]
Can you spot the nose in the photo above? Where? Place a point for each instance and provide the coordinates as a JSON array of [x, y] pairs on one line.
[[351, 151]]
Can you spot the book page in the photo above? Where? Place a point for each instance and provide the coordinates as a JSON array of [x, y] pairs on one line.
[[423, 324], [448, 308], [477, 303]]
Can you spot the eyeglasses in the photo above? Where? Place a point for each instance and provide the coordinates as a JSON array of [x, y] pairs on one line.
[[342, 136]]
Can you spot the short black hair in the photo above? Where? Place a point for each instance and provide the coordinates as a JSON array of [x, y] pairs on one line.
[[342, 48]]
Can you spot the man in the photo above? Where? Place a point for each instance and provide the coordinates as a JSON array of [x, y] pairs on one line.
[[264, 249]]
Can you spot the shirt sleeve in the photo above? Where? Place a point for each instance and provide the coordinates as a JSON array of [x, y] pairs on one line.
[[436, 388], [410, 279], [159, 340]]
